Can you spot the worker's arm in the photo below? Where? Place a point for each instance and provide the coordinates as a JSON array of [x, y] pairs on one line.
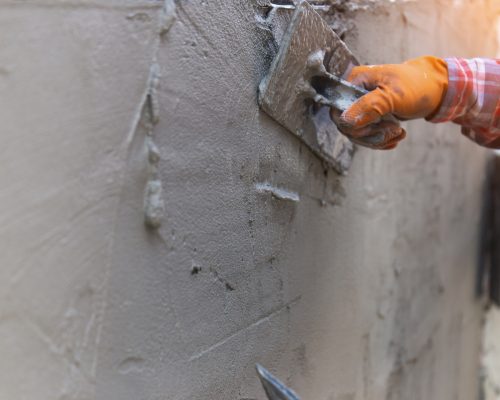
[[463, 91], [473, 99]]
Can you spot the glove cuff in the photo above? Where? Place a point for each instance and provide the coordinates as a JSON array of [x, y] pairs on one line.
[[436, 69]]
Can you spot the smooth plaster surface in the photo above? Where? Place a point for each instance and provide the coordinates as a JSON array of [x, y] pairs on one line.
[[347, 288]]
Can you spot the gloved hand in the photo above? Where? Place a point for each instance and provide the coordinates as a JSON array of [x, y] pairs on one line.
[[410, 90]]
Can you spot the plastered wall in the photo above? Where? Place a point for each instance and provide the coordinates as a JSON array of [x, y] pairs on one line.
[[144, 255]]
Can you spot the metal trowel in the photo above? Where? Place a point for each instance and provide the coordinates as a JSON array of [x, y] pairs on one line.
[[274, 388], [304, 81]]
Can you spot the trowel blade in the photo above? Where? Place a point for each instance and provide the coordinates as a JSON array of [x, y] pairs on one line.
[[281, 93], [274, 388]]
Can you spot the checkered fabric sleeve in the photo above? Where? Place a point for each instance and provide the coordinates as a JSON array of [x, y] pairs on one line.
[[473, 99]]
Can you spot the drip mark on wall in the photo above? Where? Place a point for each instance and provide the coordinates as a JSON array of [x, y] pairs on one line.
[[167, 16], [278, 193], [131, 365], [154, 206]]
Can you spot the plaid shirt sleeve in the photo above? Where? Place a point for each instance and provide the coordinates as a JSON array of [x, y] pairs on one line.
[[473, 99]]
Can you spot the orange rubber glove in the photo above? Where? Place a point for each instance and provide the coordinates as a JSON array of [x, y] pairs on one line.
[[414, 89]]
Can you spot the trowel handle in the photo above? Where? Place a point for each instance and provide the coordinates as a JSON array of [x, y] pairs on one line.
[[336, 92], [340, 94]]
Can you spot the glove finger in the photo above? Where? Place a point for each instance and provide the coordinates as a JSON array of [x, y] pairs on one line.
[[380, 136], [389, 147], [353, 133], [389, 129], [376, 139], [335, 115], [364, 143], [392, 131], [365, 76], [391, 144], [349, 130], [383, 146], [367, 110]]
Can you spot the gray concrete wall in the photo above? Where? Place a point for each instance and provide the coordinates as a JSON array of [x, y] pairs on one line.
[[362, 289]]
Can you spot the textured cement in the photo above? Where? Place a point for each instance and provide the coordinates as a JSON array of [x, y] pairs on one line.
[[160, 235]]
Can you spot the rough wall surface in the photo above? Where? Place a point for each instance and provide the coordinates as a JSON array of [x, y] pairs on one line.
[[357, 287]]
